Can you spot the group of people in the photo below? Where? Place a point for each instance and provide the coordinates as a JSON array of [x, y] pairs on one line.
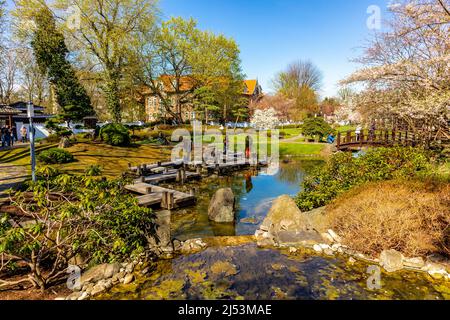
[[9, 136]]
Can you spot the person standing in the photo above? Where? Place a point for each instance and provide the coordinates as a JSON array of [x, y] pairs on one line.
[[3, 137], [372, 131], [13, 135], [24, 133], [330, 138], [7, 134], [358, 132]]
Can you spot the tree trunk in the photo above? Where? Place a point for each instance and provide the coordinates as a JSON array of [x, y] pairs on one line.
[[224, 114], [112, 97]]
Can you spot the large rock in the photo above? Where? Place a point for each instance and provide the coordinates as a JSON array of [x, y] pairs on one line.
[[64, 143], [221, 207], [100, 272], [391, 260], [285, 224], [193, 246]]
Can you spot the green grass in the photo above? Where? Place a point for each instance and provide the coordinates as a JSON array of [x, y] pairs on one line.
[[301, 149], [21, 156], [344, 129], [113, 160], [290, 133]]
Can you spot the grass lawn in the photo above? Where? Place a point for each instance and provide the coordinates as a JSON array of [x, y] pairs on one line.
[[301, 149], [290, 133], [343, 129], [112, 160], [21, 156]]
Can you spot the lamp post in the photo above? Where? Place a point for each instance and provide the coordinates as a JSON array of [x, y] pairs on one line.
[[32, 132]]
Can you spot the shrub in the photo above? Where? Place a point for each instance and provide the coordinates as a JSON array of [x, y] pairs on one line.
[[344, 171], [73, 215], [115, 134], [316, 127], [53, 138], [55, 156], [93, 170], [409, 216], [53, 125]]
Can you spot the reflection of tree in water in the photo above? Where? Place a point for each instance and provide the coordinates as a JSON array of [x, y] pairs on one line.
[[294, 171]]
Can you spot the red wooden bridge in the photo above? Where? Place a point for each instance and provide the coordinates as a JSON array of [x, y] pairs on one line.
[[350, 140]]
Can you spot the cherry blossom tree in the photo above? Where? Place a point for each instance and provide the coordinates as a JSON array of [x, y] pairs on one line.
[[405, 70], [265, 119]]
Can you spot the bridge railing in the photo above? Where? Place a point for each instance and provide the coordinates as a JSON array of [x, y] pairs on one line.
[[377, 137]]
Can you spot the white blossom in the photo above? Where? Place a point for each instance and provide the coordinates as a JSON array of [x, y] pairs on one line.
[[265, 119]]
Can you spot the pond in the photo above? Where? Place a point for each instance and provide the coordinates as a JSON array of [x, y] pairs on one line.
[[250, 273], [244, 271], [254, 192]]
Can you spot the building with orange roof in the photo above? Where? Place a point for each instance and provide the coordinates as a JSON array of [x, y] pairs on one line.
[[155, 110]]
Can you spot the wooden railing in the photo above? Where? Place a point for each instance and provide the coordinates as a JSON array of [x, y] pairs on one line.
[[351, 139]]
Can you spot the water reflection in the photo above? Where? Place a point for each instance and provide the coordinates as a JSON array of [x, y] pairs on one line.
[[254, 191]]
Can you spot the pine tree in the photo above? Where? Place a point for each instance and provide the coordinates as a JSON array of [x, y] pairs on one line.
[[51, 53]]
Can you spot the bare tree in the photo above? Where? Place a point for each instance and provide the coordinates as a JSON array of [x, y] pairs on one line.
[[298, 75], [8, 75], [33, 83]]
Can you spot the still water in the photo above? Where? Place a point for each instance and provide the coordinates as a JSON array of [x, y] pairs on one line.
[[247, 272], [254, 192]]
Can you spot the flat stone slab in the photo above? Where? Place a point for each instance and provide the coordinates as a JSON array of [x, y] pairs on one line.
[[11, 176]]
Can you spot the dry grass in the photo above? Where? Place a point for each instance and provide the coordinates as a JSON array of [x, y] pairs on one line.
[[411, 217]]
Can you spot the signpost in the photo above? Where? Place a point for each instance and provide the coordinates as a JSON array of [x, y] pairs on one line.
[[32, 132]]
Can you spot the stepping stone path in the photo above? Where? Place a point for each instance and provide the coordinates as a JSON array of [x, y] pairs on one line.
[[11, 176]]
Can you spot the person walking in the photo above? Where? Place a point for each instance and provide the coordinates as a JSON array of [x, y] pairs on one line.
[[358, 132], [24, 134]]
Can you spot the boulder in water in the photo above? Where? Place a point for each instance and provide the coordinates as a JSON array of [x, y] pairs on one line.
[[391, 260], [221, 207], [285, 225]]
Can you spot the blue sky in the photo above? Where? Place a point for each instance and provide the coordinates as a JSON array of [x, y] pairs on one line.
[[273, 33]]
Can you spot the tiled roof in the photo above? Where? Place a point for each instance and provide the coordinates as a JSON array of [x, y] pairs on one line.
[[8, 110], [250, 86], [186, 83]]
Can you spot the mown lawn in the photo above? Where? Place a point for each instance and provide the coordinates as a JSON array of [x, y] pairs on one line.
[[112, 160], [344, 129], [301, 149], [290, 133], [21, 156]]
